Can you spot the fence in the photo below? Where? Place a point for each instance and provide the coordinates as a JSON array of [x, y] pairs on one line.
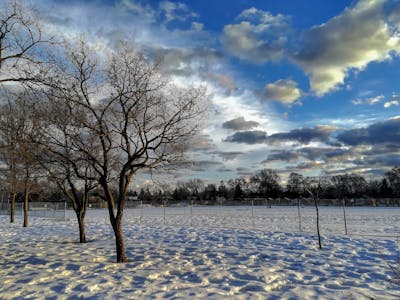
[[50, 210], [380, 222]]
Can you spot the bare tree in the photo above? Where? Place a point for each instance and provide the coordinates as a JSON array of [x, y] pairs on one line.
[[315, 186], [127, 119], [17, 125]]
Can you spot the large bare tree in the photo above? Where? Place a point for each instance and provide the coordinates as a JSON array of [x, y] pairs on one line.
[[126, 117]]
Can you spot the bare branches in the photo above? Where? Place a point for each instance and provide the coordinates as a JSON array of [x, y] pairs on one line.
[[22, 44]]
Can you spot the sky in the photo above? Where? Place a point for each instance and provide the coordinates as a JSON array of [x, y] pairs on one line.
[[296, 86]]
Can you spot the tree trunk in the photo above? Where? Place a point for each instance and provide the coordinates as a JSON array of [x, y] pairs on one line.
[[26, 197], [12, 210], [82, 231], [119, 241], [26, 203], [318, 231]]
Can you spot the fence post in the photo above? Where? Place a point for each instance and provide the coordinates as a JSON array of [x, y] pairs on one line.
[[344, 215], [65, 210], [191, 214], [164, 212], [298, 213], [252, 213], [141, 212]]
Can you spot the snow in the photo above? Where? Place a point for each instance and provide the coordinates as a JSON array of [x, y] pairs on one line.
[[225, 254]]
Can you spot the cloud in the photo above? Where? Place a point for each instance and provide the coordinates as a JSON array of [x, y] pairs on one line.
[[303, 135], [239, 124], [248, 137], [349, 41], [378, 133], [391, 103], [144, 11], [258, 37], [370, 101], [185, 62], [283, 155], [285, 91], [227, 155], [202, 143], [176, 11]]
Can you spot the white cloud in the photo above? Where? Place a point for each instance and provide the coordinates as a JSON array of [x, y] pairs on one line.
[[176, 11], [349, 41], [391, 103], [285, 91], [259, 37], [196, 26], [370, 101]]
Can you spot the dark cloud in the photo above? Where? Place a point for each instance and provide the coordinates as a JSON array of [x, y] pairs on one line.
[[378, 133], [303, 135], [227, 155], [204, 165], [248, 137], [240, 124], [223, 170], [313, 153], [282, 156], [385, 160], [242, 171]]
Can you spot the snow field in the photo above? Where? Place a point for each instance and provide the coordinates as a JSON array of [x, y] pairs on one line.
[[204, 261]]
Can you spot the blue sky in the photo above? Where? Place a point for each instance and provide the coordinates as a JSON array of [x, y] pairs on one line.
[[297, 86]]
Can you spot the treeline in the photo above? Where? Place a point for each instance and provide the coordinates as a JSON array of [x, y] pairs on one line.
[[266, 184]]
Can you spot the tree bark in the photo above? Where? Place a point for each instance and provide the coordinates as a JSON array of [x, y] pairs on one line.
[[82, 231], [26, 206], [26, 198], [119, 241], [318, 231], [12, 210]]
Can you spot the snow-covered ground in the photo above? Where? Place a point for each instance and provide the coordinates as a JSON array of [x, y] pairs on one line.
[[205, 253]]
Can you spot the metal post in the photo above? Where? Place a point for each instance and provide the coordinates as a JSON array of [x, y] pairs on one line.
[[298, 213], [191, 214], [164, 213], [344, 215], [252, 213], [141, 212]]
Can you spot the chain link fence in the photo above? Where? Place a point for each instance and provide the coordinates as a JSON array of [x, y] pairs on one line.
[[50, 210]]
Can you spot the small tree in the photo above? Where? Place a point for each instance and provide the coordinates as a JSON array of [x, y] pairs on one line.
[[315, 186]]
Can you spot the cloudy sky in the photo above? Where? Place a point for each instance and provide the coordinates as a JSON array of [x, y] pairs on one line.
[[297, 86]]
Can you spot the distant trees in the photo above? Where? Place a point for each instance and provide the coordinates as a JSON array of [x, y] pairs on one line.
[[267, 183], [392, 177]]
